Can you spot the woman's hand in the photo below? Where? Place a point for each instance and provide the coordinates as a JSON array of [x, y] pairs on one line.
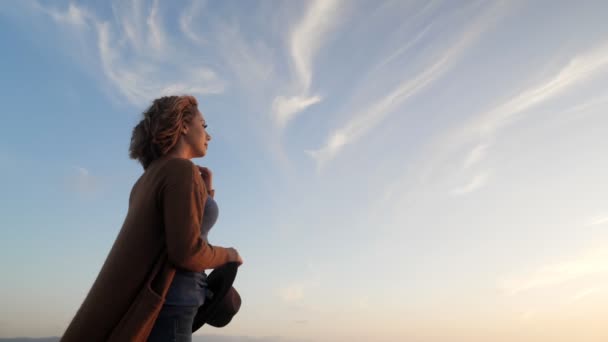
[[233, 256], [207, 177]]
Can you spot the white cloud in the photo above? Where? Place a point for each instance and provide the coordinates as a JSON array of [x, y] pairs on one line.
[[363, 303], [296, 291], [376, 112], [581, 68], [582, 109], [186, 19], [307, 37], [154, 27], [477, 182], [74, 15], [476, 154], [597, 221], [481, 131], [292, 293], [304, 42], [285, 107], [83, 182], [138, 57], [250, 60], [584, 293], [129, 15], [528, 315], [592, 263], [405, 47]]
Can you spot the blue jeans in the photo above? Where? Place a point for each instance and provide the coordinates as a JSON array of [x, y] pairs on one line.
[[174, 324]]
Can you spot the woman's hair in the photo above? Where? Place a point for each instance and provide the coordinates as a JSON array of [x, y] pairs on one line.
[[159, 130]]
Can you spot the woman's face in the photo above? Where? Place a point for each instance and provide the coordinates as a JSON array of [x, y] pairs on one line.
[[196, 136]]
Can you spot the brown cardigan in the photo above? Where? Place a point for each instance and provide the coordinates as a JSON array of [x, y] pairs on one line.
[[160, 233]]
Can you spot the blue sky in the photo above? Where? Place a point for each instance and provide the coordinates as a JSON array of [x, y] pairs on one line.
[[389, 171]]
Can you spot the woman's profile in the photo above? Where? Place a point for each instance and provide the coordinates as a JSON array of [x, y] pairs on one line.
[[152, 284]]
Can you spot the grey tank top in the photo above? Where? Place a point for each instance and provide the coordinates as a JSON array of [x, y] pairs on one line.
[[189, 288]]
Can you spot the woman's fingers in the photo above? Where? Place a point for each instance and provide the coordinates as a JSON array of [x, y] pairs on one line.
[[234, 256], [207, 176]]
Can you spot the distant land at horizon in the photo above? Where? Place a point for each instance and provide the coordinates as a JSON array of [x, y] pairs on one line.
[[30, 339], [199, 338]]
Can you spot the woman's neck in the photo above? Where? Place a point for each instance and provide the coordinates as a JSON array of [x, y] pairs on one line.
[[179, 151]]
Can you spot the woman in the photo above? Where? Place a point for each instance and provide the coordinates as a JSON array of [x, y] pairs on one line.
[[161, 234]]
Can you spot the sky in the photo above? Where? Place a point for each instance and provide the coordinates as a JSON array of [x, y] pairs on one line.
[[389, 171]]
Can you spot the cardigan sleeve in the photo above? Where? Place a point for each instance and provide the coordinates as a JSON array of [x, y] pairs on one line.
[[183, 202]]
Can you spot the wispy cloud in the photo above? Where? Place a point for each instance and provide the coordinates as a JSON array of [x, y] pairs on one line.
[[186, 20], [594, 262], [292, 293], [411, 42], [137, 55], [528, 315], [307, 37], [304, 41], [581, 68], [584, 293], [285, 108], [476, 154], [377, 111], [599, 220], [363, 303], [74, 15], [297, 291], [481, 132], [83, 181], [477, 182], [156, 35]]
